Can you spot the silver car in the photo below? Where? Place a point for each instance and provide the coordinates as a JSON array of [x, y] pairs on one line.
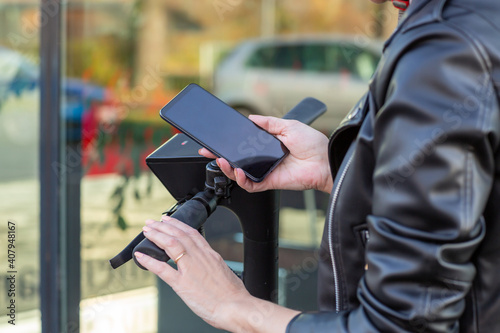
[[270, 76]]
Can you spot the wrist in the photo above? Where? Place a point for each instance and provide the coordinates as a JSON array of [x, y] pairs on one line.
[[251, 314], [231, 314], [324, 183], [327, 184]]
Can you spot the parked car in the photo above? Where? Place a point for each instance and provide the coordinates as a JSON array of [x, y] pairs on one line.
[[270, 76]]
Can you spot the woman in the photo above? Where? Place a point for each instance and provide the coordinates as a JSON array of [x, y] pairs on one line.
[[410, 241]]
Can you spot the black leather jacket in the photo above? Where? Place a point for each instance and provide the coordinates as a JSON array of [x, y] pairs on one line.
[[412, 235]]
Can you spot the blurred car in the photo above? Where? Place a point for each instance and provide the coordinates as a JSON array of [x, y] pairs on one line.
[[270, 76], [20, 94], [20, 112], [18, 74]]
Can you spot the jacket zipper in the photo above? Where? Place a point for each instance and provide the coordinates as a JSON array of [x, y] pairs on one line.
[[330, 239]]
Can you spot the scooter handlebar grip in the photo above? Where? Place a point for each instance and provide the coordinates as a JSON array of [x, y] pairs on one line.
[[193, 213], [307, 111]]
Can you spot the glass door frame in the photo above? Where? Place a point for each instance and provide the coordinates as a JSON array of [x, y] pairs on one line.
[[59, 189]]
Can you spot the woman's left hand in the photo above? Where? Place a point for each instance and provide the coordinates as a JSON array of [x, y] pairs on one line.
[[202, 279]]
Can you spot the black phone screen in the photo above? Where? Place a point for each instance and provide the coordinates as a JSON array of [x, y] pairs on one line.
[[224, 131]]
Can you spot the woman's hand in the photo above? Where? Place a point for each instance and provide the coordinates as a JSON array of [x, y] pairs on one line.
[[206, 284], [304, 168], [202, 279]]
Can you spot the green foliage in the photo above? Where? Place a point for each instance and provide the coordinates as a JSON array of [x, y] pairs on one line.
[[121, 223]]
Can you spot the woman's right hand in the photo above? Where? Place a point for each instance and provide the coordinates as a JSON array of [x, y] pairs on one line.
[[306, 167]]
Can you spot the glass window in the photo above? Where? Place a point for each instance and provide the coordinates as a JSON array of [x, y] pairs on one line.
[[313, 56], [316, 58], [366, 63], [112, 89], [263, 57], [289, 57], [357, 61], [333, 58], [278, 57], [19, 180]]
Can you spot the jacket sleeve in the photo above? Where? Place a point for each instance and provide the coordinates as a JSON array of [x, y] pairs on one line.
[[434, 143]]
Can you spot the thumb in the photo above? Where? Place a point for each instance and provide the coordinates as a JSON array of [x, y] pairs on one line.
[[272, 125]]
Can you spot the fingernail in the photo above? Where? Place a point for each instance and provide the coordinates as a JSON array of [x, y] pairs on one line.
[[217, 161], [165, 218], [138, 254], [146, 229], [148, 222]]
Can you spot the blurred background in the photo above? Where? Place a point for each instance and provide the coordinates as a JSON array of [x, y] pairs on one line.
[[122, 60]]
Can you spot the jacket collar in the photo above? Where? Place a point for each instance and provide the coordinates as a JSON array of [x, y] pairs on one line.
[[419, 12]]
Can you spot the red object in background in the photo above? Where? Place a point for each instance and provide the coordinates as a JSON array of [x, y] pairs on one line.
[[115, 161], [89, 126], [103, 118]]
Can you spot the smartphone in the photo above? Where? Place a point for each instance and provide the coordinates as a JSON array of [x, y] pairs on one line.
[[224, 131]]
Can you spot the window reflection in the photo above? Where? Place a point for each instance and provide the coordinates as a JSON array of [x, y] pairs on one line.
[[19, 183]]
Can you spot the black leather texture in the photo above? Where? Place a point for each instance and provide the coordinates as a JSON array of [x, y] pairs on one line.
[[412, 236]]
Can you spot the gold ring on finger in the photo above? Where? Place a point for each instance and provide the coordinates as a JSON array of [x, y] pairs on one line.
[[179, 257]]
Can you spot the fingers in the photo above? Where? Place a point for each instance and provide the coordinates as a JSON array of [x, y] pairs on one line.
[[205, 152], [221, 162], [172, 228], [276, 125], [160, 268], [245, 183], [170, 244], [166, 240], [273, 125], [150, 221], [239, 176], [226, 168], [174, 236], [171, 224]]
